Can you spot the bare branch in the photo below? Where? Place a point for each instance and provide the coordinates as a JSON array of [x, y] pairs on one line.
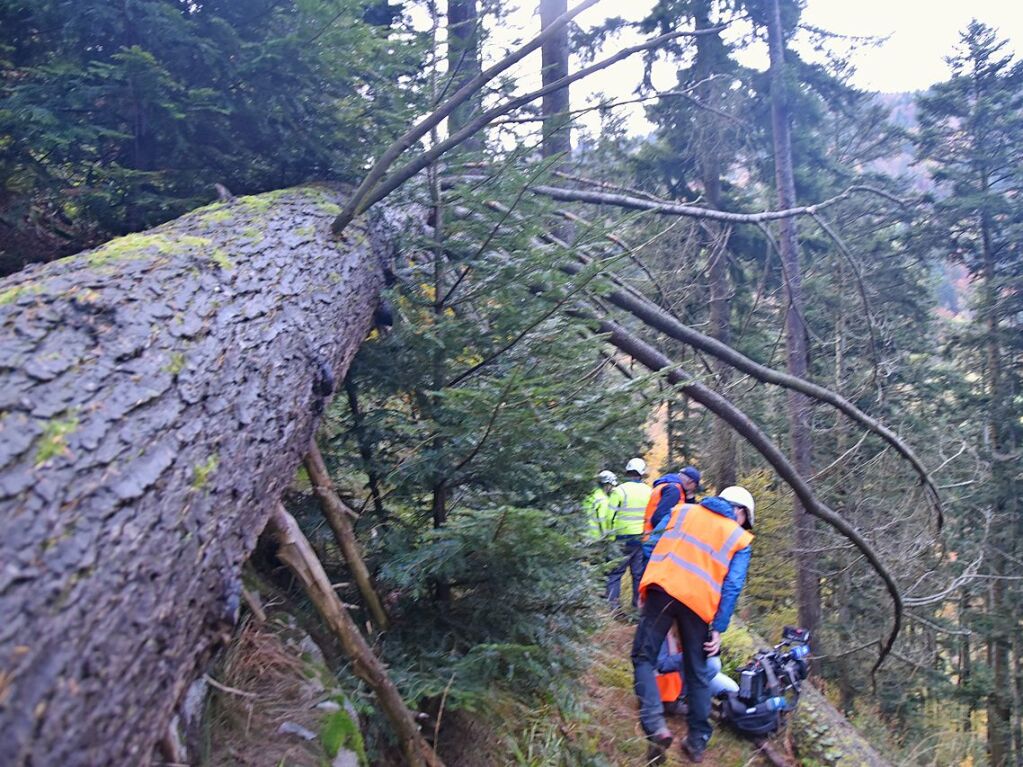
[[611, 105], [410, 169], [340, 517], [296, 552], [358, 202], [660, 319], [667, 207]]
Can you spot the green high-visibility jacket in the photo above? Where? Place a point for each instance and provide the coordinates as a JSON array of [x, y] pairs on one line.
[[598, 515], [628, 507]]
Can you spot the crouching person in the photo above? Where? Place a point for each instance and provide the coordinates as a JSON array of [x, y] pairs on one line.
[[669, 676], [698, 563]]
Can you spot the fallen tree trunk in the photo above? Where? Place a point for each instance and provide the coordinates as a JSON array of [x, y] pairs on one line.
[[156, 396]]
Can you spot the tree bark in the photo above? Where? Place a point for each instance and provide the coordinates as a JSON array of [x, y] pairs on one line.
[[294, 550], [464, 66], [721, 456], [808, 585], [554, 107], [339, 517], [156, 396], [557, 136], [999, 708]]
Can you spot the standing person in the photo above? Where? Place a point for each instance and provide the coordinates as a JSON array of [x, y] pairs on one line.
[[696, 572], [595, 505], [668, 490], [628, 505]]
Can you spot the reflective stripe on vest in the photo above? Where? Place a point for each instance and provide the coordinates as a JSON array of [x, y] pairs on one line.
[[628, 518], [691, 559]]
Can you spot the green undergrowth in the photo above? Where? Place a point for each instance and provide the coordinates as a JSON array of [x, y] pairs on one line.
[[338, 731]]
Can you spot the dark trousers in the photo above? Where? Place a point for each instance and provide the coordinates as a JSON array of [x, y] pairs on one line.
[[659, 611], [633, 559]]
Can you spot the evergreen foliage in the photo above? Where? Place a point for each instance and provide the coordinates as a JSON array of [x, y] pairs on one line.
[[118, 116], [467, 434], [487, 413]]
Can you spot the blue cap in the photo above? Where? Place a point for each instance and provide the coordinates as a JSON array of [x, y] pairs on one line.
[[694, 474]]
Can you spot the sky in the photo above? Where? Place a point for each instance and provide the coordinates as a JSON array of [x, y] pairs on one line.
[[918, 34]]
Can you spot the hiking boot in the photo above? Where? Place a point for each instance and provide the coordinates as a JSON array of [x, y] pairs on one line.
[[692, 751], [660, 742]]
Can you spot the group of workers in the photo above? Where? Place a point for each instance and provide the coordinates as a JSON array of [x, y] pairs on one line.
[[688, 561]]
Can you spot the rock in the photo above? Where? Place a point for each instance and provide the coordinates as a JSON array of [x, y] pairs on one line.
[[290, 728], [345, 758]]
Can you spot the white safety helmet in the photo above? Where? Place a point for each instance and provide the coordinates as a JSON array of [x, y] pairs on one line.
[[740, 496], [637, 465], [607, 478]]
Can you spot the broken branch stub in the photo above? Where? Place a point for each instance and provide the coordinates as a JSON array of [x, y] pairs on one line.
[[339, 517], [294, 550]]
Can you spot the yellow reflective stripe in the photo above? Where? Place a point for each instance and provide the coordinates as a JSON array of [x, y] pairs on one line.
[[690, 567], [720, 555], [732, 540]]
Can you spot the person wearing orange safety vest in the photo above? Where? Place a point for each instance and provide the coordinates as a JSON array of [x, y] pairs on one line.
[[627, 506], [699, 557], [668, 490], [669, 675]]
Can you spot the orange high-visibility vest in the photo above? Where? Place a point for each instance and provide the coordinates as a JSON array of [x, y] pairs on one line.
[[670, 684], [655, 498], [690, 561]]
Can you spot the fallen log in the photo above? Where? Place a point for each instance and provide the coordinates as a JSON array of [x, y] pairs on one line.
[[156, 396]]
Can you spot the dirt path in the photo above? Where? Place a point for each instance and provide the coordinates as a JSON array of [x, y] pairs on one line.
[[615, 723]]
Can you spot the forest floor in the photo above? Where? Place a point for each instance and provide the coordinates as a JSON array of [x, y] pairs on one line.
[[612, 708], [273, 683]]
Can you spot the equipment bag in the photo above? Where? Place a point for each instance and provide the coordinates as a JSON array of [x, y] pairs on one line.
[[760, 720]]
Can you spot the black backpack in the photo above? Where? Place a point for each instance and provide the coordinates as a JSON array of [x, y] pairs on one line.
[[753, 721]]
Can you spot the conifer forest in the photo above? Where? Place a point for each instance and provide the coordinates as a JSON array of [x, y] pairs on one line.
[[323, 322]]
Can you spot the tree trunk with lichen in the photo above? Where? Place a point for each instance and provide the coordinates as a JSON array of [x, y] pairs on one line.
[[156, 396]]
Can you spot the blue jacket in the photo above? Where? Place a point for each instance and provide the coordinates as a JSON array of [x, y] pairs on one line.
[[735, 579], [668, 661], [670, 496]]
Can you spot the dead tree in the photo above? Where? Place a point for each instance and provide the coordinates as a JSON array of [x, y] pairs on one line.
[[295, 551], [156, 396]]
